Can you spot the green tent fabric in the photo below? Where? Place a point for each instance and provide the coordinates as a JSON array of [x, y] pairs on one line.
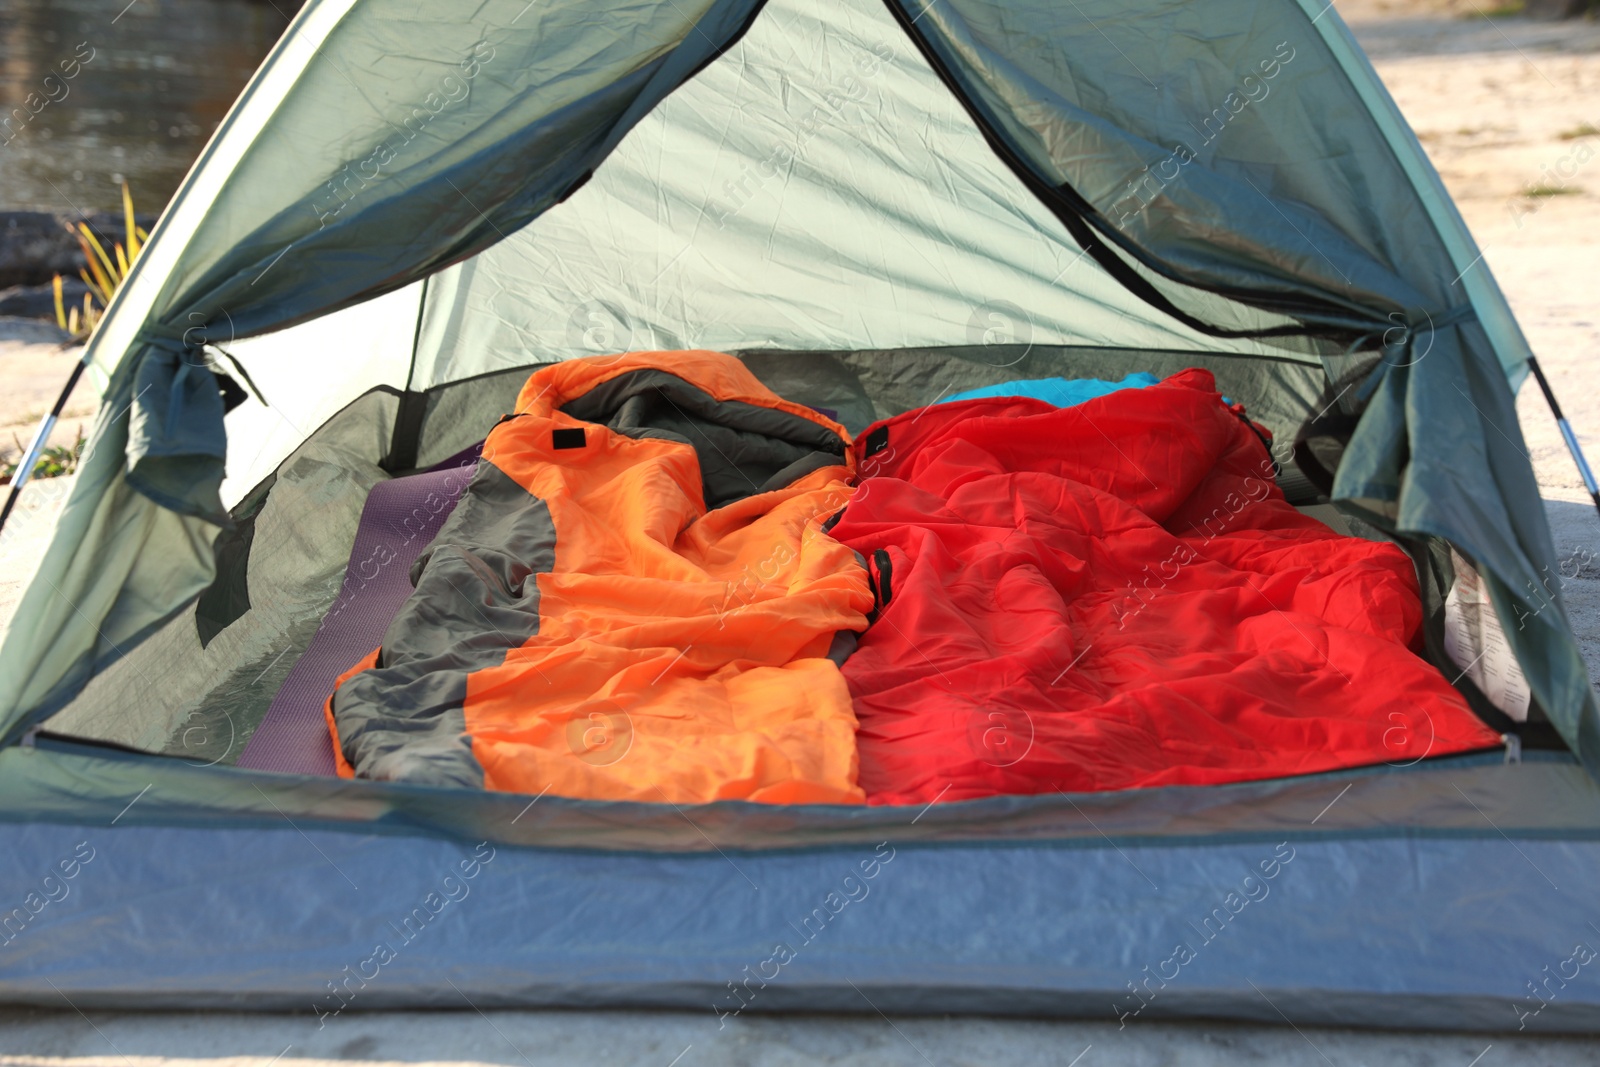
[[1278, 196], [331, 203], [407, 149]]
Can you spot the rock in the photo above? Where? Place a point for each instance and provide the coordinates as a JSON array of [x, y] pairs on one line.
[[39, 301], [36, 245]]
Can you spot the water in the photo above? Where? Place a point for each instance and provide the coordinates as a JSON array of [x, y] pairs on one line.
[[119, 91]]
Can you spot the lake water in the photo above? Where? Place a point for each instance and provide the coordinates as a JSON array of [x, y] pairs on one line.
[[95, 91]]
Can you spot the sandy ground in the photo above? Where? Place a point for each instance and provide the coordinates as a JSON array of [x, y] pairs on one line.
[[1491, 100], [34, 368], [34, 371], [670, 1039]]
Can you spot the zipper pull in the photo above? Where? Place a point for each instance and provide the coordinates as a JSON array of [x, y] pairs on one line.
[[1513, 743], [26, 742]]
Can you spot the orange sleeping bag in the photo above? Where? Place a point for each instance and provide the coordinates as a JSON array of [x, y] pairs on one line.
[[632, 601]]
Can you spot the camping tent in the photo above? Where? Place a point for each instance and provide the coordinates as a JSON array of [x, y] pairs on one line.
[[874, 205]]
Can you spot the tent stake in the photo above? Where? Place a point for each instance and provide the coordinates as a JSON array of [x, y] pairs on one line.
[[1566, 432], [31, 454]]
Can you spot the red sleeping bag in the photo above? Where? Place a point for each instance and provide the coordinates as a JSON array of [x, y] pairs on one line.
[[1117, 595]]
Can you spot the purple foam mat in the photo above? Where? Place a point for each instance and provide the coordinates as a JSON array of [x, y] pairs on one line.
[[400, 518]]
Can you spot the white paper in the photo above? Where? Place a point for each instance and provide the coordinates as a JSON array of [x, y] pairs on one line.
[[1475, 641]]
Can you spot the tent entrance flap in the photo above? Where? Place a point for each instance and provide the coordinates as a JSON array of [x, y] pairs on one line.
[[778, 200]]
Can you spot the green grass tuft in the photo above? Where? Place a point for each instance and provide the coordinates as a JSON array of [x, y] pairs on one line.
[[53, 461], [1551, 190]]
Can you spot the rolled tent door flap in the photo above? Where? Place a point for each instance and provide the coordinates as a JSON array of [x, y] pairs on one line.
[[372, 171], [1252, 168]]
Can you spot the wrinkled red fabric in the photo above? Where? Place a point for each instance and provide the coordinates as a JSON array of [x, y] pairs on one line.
[[1117, 595]]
